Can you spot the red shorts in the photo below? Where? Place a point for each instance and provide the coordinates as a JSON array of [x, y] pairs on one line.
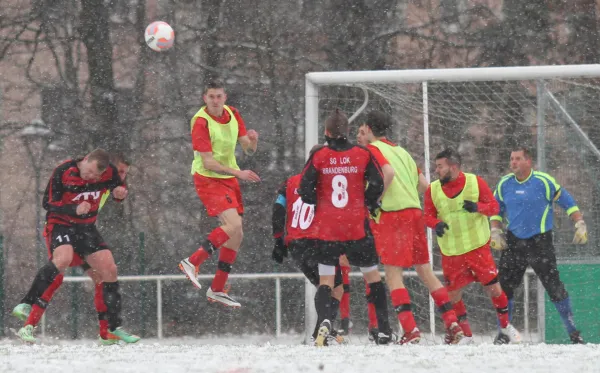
[[477, 265], [400, 238], [218, 195]]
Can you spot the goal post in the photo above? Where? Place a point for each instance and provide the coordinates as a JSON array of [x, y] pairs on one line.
[[484, 113]]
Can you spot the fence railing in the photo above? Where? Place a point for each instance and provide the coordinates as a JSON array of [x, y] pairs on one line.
[[276, 277]]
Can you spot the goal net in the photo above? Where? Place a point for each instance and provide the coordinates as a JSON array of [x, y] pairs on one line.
[[484, 113]]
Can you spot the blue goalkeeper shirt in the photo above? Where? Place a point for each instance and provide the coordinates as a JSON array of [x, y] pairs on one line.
[[527, 205]]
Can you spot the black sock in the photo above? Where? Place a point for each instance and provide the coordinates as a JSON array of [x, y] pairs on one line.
[[380, 301], [335, 307], [112, 299], [323, 303], [44, 277]]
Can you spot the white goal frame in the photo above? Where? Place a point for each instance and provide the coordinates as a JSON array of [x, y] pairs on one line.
[[314, 80]]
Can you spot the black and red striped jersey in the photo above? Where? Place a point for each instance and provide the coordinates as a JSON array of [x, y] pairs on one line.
[[66, 190]]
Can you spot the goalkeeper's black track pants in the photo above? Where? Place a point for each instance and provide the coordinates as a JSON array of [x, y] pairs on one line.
[[537, 252]]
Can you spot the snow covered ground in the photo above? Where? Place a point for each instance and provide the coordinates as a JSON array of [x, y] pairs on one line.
[[286, 355]]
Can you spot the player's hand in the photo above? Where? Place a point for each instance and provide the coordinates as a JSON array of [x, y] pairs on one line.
[[279, 251], [498, 242], [470, 206], [374, 209], [248, 176], [83, 208], [440, 228], [581, 237], [120, 192], [252, 135]]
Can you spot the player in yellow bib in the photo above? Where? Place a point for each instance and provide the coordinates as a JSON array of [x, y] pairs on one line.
[[457, 207], [23, 309], [216, 130], [399, 231]]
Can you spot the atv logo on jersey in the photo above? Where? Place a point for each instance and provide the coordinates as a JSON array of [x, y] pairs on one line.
[[87, 196]]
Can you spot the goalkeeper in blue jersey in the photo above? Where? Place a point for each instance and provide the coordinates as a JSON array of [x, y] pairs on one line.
[[526, 199]]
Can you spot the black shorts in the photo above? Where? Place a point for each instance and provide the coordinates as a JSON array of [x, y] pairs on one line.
[[305, 254], [85, 240], [360, 253]]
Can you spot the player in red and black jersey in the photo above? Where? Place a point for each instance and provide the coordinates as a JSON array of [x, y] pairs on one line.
[[72, 200], [292, 223], [345, 183]]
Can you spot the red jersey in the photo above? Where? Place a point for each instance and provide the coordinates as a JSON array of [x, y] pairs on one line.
[[487, 204], [299, 215], [66, 190], [201, 135], [342, 180]]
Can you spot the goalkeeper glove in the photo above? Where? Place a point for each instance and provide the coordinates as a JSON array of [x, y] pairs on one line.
[[279, 251], [470, 206], [374, 209], [440, 228], [580, 233], [498, 242]]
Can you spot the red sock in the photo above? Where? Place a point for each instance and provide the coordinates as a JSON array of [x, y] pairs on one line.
[[401, 303], [461, 314], [501, 304], [440, 297], [101, 310], [36, 311], [345, 302], [370, 308], [217, 238], [226, 259]]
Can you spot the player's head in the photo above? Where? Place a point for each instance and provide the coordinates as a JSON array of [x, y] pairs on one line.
[[214, 95], [336, 125], [94, 164], [521, 161], [447, 165], [121, 163], [378, 123]]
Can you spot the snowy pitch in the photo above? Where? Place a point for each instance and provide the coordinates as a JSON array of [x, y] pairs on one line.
[[286, 355]]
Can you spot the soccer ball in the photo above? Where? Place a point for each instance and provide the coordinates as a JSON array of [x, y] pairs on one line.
[[159, 36]]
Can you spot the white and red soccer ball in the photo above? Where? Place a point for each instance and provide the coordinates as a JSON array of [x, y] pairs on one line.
[[159, 36]]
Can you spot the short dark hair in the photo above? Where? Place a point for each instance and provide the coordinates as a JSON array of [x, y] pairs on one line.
[[214, 84], [526, 152], [379, 122], [102, 158], [451, 155], [337, 124], [118, 157]]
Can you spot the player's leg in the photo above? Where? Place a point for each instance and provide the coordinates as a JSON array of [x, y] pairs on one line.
[[482, 264], [421, 262], [328, 258], [345, 301], [42, 288], [231, 222], [362, 253], [373, 328], [543, 261], [511, 269], [457, 275], [393, 242], [99, 257]]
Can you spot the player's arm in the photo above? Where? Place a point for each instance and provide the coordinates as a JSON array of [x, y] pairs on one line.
[[423, 184], [487, 204], [375, 184], [386, 169], [248, 139], [564, 199], [308, 183], [430, 215], [278, 222], [279, 212], [496, 220], [52, 201], [116, 186]]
